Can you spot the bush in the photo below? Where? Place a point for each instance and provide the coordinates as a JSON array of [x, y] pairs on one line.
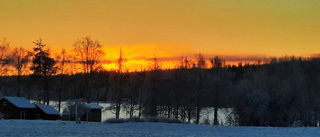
[[169, 120], [115, 120], [152, 119], [73, 106], [136, 119], [162, 120], [206, 122]]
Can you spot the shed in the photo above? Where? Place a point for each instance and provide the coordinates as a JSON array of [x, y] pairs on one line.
[[46, 112], [16, 108], [93, 114]]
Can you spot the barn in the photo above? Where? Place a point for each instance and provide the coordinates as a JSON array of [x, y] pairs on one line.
[[46, 112], [16, 108], [93, 114]]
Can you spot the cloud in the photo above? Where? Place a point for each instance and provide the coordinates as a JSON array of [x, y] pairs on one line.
[[239, 58], [315, 55]]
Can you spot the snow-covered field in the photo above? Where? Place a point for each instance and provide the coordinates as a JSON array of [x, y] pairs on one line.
[[60, 128]]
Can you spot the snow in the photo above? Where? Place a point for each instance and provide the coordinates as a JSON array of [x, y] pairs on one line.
[[48, 109], [94, 106], [20, 102], [70, 128]]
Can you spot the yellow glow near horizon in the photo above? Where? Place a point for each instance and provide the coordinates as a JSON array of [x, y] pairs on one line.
[[167, 29]]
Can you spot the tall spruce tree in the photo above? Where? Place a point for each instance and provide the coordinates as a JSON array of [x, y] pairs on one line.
[[43, 65]]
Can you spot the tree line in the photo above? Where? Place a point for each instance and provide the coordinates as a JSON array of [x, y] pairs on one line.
[[282, 92]]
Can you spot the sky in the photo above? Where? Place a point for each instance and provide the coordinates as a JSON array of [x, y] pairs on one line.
[[236, 30]]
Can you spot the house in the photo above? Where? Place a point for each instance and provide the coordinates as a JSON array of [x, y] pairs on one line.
[[46, 112], [16, 108], [93, 113]]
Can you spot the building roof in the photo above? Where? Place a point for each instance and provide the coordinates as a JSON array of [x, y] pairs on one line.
[[48, 109], [94, 106], [20, 102]]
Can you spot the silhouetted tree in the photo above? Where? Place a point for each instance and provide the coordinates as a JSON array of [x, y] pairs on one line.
[[43, 64], [217, 64], [120, 61], [62, 58], [118, 83], [133, 91], [200, 83], [20, 58], [89, 54], [155, 65], [153, 88], [4, 57], [201, 62], [185, 63]]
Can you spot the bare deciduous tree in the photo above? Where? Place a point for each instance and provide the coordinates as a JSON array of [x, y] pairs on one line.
[[120, 61], [89, 53], [201, 62], [4, 59], [20, 58], [62, 58]]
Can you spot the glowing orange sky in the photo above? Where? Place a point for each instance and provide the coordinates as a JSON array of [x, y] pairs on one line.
[[168, 29]]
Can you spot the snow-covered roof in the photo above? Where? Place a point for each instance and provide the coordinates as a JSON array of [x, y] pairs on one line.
[[48, 109], [94, 106], [20, 102]]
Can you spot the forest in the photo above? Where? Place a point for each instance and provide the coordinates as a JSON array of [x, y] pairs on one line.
[[282, 92]]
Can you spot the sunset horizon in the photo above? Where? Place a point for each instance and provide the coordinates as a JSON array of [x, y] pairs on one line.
[[236, 31]]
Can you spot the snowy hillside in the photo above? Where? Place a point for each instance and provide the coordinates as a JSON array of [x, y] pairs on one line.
[[61, 128]]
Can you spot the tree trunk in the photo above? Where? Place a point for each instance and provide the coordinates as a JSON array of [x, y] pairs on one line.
[[189, 115], [59, 105], [60, 92], [200, 84], [131, 108], [140, 104], [215, 120], [176, 113], [155, 108], [19, 77], [47, 96], [198, 115], [98, 97], [118, 105], [198, 109], [87, 94], [169, 111], [183, 114]]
